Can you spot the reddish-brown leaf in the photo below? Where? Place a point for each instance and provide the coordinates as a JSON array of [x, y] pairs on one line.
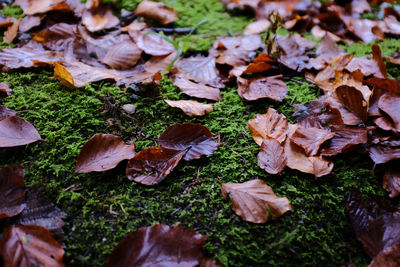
[[381, 154], [99, 19], [272, 87], [272, 156], [159, 245], [29, 22], [103, 152], [152, 43], [310, 139], [156, 11], [385, 123], [195, 139], [15, 131], [152, 165], [344, 140], [390, 104], [26, 57], [377, 56], [191, 107], [197, 90], [353, 99], [327, 52], [294, 48], [30, 245], [257, 27], [12, 191], [388, 84], [254, 201], [270, 125], [5, 89], [12, 31], [6, 112], [123, 55], [391, 181]]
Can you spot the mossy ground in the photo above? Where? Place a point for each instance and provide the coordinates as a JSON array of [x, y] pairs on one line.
[[103, 207]]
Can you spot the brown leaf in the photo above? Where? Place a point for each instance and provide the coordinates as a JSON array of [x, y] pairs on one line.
[[191, 107], [310, 139], [30, 245], [12, 31], [377, 56], [195, 139], [257, 27], [29, 22], [159, 245], [272, 87], [234, 51], [15, 131], [57, 37], [41, 6], [123, 55], [12, 191], [344, 140], [99, 19], [381, 154], [390, 104], [366, 66], [152, 43], [197, 90], [6, 112], [391, 181], [298, 160], [156, 11], [353, 99], [103, 152], [26, 57], [5, 89], [294, 48], [327, 51], [152, 165], [384, 123], [271, 157], [270, 125], [254, 201]]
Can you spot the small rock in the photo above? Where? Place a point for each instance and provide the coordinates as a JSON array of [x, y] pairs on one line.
[[129, 108]]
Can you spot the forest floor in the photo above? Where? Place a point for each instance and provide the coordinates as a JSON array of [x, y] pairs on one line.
[[103, 207]]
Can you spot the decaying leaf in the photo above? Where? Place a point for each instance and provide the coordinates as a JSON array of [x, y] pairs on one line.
[[353, 99], [272, 87], [254, 201], [30, 245], [257, 27], [159, 245], [270, 125], [391, 181], [156, 11], [5, 89], [191, 107], [12, 191], [390, 104], [152, 165], [6, 112], [197, 90], [310, 139], [12, 31], [272, 156], [15, 131], [195, 139], [381, 153], [29, 22], [26, 57], [99, 19], [103, 152], [317, 113], [123, 55], [152, 43]]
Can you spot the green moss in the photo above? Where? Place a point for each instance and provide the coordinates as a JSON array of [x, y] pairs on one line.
[[388, 47], [12, 11]]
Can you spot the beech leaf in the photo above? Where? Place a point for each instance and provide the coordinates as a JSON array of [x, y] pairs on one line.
[[195, 139], [152, 43], [12, 191], [269, 87], [191, 107], [5, 89], [103, 152], [6, 112], [391, 181], [156, 11], [390, 104], [197, 90], [15, 131], [152, 165], [310, 139], [254, 201], [159, 245], [272, 156]]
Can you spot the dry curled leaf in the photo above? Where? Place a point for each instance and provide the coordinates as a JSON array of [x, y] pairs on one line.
[[5, 89], [12, 191], [152, 165], [390, 104], [152, 43], [15, 131], [12, 31], [353, 99], [159, 245], [29, 22], [103, 152], [99, 19], [391, 181], [26, 57], [310, 139], [195, 139], [272, 87], [123, 55], [254, 201], [270, 125], [191, 107], [30, 245], [156, 11], [271, 157], [381, 153], [197, 90]]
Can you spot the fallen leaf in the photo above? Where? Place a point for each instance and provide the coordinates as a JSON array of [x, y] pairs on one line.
[[99, 19], [381, 154], [29, 22], [195, 139], [42, 6], [294, 48], [388, 84], [344, 140], [152, 43], [310, 139], [260, 64], [377, 56], [191, 107], [272, 87], [391, 181], [354, 100], [30, 245], [257, 27], [103, 152], [254, 201], [152, 165], [390, 104], [272, 157], [15, 131], [26, 57], [327, 52], [159, 245], [197, 90], [5, 89], [156, 11], [11, 33], [384, 123], [123, 55], [6, 112], [12, 191], [270, 125], [57, 37]]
